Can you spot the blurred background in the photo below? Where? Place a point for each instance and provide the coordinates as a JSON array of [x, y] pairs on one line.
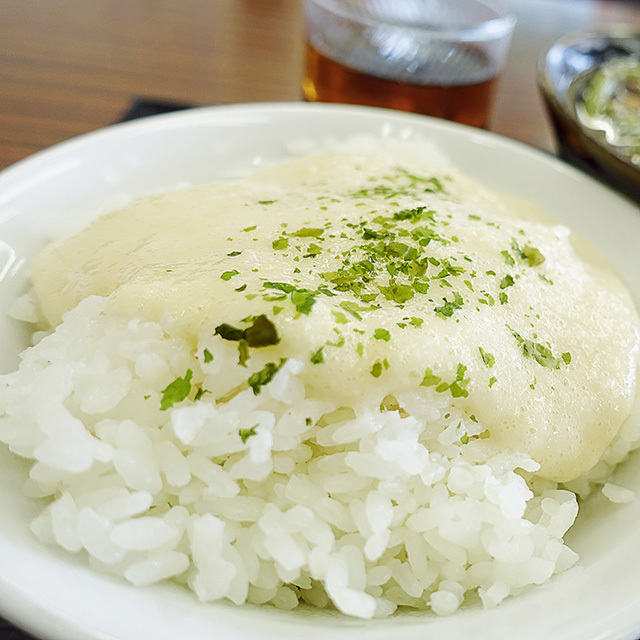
[[72, 66]]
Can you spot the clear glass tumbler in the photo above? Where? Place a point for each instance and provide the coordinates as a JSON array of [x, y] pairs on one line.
[[436, 57]]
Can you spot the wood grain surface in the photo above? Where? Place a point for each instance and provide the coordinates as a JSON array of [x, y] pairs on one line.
[[71, 66]]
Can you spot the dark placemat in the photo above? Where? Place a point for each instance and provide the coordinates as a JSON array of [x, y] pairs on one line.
[[140, 108], [9, 632]]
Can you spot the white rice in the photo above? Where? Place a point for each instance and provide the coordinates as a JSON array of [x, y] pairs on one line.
[[359, 508]]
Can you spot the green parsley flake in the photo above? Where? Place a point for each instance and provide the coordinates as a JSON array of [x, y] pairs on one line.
[[503, 297], [266, 201], [430, 379], [251, 228], [280, 243], [360, 349], [199, 393], [207, 355], [352, 308], [533, 256], [528, 254], [541, 353], [376, 369], [464, 439], [382, 334], [265, 375], [449, 269], [488, 358], [508, 258], [308, 232], [447, 309], [399, 293], [340, 317], [245, 434], [227, 275], [227, 332], [303, 301], [318, 356], [243, 352], [313, 250], [507, 281], [457, 388], [285, 287], [234, 253], [492, 381], [421, 287], [415, 215], [177, 391], [262, 333], [339, 342]]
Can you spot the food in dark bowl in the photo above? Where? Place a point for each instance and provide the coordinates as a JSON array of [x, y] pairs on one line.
[[591, 86]]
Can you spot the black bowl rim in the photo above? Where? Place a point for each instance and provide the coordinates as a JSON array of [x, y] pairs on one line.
[[616, 33]]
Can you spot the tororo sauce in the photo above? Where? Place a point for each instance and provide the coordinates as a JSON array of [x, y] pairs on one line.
[[383, 274]]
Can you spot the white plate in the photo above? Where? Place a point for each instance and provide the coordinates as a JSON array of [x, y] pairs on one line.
[[53, 595]]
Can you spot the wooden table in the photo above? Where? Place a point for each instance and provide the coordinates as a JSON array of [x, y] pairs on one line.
[[71, 66]]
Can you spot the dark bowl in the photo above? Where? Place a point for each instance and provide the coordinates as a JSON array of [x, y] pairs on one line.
[[564, 71]]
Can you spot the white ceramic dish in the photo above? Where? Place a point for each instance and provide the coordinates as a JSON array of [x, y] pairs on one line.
[[55, 596]]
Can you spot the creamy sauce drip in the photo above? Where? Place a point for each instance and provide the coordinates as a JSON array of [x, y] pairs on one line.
[[537, 344]]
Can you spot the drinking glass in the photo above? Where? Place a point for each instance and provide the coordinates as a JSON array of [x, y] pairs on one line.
[[436, 57]]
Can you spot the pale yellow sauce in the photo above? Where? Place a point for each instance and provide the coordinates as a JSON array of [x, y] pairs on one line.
[[163, 257]]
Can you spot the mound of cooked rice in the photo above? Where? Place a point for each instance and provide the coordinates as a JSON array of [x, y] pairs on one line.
[[354, 506]]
